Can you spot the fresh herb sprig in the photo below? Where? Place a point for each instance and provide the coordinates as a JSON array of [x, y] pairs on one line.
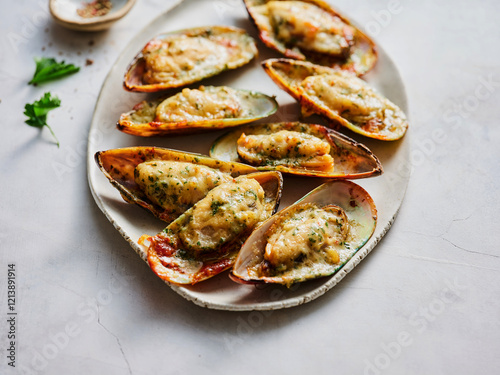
[[38, 110], [48, 69]]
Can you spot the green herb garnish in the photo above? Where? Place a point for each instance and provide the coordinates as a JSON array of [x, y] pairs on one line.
[[48, 69], [37, 112], [215, 207]]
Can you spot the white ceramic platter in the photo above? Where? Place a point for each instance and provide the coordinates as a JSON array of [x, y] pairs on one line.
[[131, 221]]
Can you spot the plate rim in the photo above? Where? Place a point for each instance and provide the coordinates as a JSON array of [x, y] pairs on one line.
[[258, 306]]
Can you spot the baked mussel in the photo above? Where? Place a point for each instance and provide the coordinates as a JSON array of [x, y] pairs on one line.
[[340, 96], [163, 181], [196, 110], [311, 30], [179, 58], [205, 240], [297, 148], [315, 237]]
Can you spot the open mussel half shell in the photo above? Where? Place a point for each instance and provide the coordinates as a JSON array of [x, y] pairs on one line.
[[350, 159], [150, 118], [340, 96], [120, 167], [313, 256], [311, 30], [179, 58], [205, 240]]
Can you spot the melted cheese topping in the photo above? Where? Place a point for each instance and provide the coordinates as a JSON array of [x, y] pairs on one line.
[[182, 57], [225, 213], [144, 112], [305, 236], [176, 186], [354, 100], [203, 104], [286, 148], [307, 26]]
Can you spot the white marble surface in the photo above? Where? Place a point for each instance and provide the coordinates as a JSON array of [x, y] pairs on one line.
[[425, 301]]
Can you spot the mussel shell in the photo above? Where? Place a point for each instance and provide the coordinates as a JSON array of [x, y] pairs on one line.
[[262, 105], [288, 75], [351, 159], [204, 267], [247, 49], [362, 57], [361, 213], [118, 166]]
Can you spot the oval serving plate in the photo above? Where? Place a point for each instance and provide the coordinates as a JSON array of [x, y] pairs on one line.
[[220, 292]]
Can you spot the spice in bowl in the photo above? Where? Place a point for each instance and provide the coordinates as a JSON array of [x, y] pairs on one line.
[[96, 8]]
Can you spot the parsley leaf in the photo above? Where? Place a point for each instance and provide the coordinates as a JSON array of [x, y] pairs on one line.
[[48, 69], [38, 110]]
